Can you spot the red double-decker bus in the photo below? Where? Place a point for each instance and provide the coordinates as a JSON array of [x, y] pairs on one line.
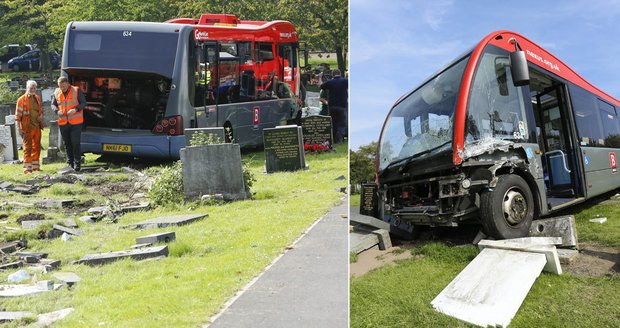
[[505, 134]]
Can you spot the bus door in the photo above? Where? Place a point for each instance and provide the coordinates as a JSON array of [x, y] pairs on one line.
[[206, 83], [555, 140]]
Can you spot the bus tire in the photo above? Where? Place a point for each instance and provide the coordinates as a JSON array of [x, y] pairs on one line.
[[508, 210]]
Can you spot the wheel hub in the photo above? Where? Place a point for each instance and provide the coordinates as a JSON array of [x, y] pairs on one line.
[[515, 207]]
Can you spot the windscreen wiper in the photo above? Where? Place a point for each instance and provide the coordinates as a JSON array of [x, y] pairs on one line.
[[407, 160]]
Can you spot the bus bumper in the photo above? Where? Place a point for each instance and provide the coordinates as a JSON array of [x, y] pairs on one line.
[[142, 144]]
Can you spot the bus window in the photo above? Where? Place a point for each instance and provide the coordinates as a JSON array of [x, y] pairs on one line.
[[496, 107], [611, 129], [587, 120]]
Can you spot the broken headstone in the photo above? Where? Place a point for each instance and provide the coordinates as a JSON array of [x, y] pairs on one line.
[[19, 276], [87, 219], [167, 221], [47, 319], [164, 237], [45, 284], [12, 265], [543, 245], [55, 203], [33, 224], [136, 254], [22, 290], [12, 316], [58, 230], [68, 278], [70, 223]]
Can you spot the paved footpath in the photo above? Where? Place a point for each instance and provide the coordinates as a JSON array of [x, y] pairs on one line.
[[307, 287]]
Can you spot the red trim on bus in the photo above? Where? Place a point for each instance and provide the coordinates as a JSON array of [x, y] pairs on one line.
[[534, 54]]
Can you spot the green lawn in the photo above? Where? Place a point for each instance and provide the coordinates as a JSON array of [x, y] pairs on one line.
[[209, 262], [400, 296]]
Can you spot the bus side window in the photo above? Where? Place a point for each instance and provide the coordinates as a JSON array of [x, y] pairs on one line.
[[611, 127], [588, 122]]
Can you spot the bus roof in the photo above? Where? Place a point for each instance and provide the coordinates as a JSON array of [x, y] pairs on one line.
[[122, 26], [229, 27]]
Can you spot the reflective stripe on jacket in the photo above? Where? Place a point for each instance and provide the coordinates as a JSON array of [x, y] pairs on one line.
[[66, 103]]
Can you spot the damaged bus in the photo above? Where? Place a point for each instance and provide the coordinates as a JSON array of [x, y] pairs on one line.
[[504, 134], [146, 82]]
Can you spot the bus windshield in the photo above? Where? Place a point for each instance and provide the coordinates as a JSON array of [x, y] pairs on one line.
[[422, 121], [150, 52]]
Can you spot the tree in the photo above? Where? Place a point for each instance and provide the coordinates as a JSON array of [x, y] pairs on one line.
[[362, 163]]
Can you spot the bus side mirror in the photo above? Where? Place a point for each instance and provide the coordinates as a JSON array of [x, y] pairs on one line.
[[518, 68]]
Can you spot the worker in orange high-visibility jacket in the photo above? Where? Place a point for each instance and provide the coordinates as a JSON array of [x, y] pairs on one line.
[[69, 103], [29, 119]]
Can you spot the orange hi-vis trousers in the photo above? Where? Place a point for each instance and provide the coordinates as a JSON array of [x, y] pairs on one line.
[[32, 149]]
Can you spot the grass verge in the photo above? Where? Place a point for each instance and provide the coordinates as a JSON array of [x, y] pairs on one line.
[[209, 261]]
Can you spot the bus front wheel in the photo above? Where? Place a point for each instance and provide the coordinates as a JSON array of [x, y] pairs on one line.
[[508, 210]]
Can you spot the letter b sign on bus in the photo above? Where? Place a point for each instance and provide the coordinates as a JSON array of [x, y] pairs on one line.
[[613, 163]]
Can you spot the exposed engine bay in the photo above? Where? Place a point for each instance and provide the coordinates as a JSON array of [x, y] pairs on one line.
[[127, 102]]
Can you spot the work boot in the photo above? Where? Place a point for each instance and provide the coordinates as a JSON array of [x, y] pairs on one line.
[[77, 168]]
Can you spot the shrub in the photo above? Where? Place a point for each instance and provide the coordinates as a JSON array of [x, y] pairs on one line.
[[201, 138], [167, 189], [7, 96]]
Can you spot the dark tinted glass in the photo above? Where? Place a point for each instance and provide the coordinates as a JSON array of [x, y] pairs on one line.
[[587, 118], [611, 126], [122, 50]]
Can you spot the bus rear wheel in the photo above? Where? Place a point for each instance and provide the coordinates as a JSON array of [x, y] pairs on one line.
[[508, 210]]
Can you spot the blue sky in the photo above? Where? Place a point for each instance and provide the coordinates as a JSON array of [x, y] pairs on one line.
[[396, 45]]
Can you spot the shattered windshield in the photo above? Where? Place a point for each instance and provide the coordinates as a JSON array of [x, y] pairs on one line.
[[496, 109], [423, 120]]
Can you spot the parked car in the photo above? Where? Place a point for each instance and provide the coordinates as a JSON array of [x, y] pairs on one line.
[[13, 50], [30, 61]]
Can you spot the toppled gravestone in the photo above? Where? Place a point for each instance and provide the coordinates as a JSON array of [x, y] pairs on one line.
[[168, 221], [22, 290], [164, 237], [136, 254], [58, 230], [55, 203]]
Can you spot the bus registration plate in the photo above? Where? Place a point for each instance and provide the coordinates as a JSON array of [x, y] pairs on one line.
[[117, 148]]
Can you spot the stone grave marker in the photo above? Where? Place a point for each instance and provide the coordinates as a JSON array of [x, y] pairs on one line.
[[369, 199], [216, 133], [6, 139], [284, 148], [136, 254], [167, 221], [213, 169], [317, 130], [164, 237], [10, 120]]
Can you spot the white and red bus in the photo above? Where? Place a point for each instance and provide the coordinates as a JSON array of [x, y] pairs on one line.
[[504, 134], [146, 82]]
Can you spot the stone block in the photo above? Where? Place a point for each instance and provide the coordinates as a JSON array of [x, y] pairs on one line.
[[551, 255], [562, 226], [214, 133], [164, 237], [136, 254], [55, 203], [5, 185], [53, 264], [47, 319], [490, 290], [168, 221], [70, 223], [135, 208], [141, 245], [12, 265], [45, 284], [24, 255], [213, 169], [384, 238], [567, 256]]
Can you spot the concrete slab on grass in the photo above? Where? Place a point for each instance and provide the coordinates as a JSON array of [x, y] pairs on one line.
[[68, 278], [168, 221], [11, 316], [136, 254], [551, 254], [22, 290], [490, 290]]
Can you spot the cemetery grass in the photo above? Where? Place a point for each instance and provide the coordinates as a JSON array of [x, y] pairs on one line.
[[410, 287], [552, 302], [209, 262]]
